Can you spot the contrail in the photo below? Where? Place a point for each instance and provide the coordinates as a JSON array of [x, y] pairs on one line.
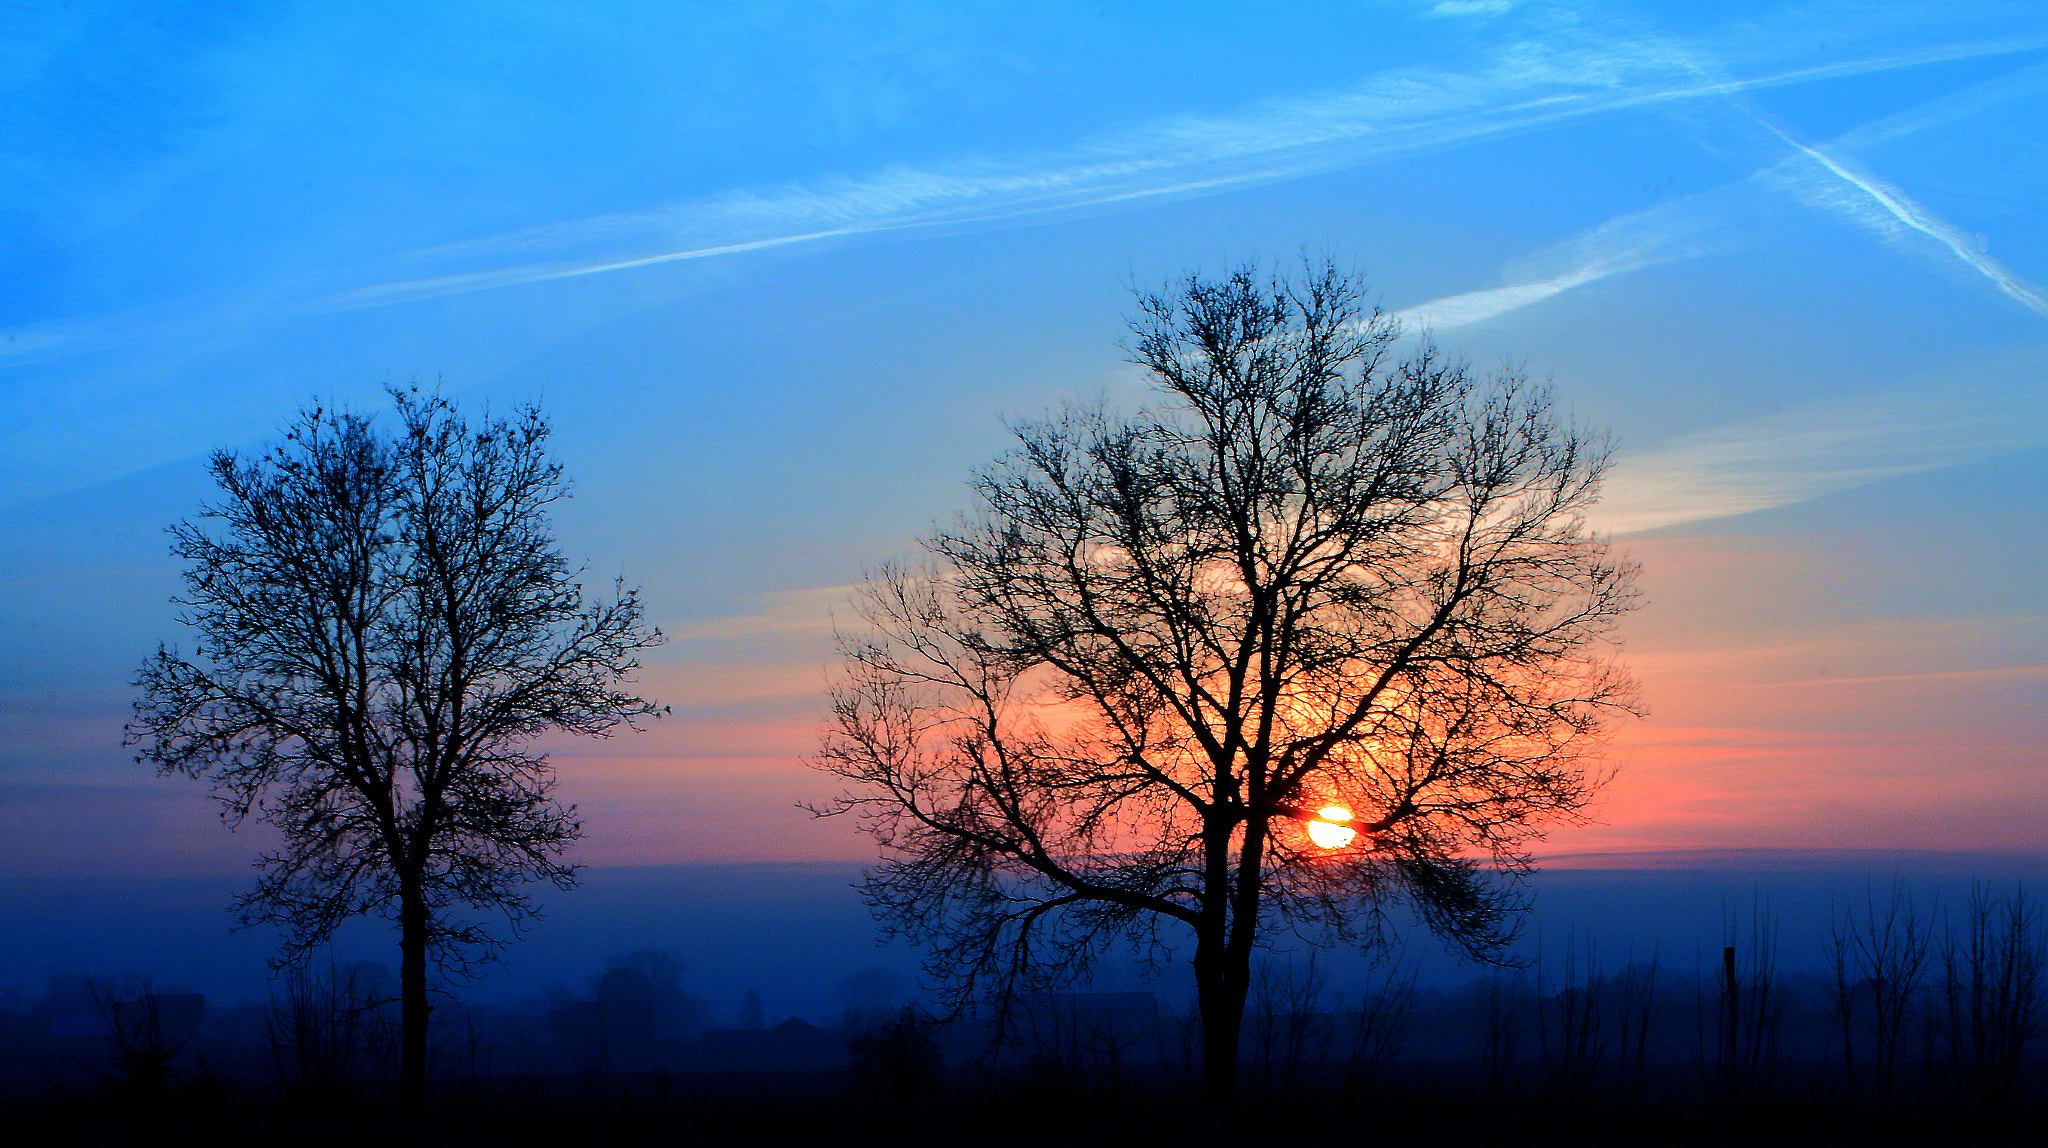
[[1698, 224], [509, 277], [1478, 306], [1903, 208], [1394, 113], [1895, 205]]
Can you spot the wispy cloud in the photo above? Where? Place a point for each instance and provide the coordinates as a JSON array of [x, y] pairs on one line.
[[1529, 84], [1826, 176], [1813, 451], [1480, 8], [788, 613], [1478, 306], [1680, 228], [1723, 218], [1969, 676]]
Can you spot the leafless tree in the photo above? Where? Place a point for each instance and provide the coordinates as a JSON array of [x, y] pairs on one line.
[[384, 623], [1878, 964], [1740, 1022], [897, 1061], [143, 1044], [1379, 1031], [1313, 576], [1071, 1045], [1572, 1024], [1503, 1004], [323, 1032], [1635, 989], [1293, 1030], [1991, 997]]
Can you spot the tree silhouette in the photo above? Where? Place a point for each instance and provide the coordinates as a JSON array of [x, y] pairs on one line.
[[1313, 577], [383, 623]]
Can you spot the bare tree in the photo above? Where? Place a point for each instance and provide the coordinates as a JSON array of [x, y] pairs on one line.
[[1878, 966], [1503, 1004], [1572, 1025], [384, 622], [897, 1061], [143, 1042], [1638, 1041], [1379, 1031], [1075, 1044], [323, 1031], [1293, 1029], [1313, 577], [1745, 1013], [1991, 997]]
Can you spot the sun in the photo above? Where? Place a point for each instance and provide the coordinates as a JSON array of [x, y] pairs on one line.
[[1327, 834]]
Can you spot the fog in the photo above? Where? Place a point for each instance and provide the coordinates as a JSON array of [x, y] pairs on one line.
[[793, 932]]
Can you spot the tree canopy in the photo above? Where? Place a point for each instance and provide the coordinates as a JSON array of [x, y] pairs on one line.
[[384, 625], [1315, 575]]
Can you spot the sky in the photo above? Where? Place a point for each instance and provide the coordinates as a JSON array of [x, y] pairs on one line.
[[781, 274]]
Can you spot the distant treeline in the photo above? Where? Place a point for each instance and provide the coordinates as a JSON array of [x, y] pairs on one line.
[[1917, 1003]]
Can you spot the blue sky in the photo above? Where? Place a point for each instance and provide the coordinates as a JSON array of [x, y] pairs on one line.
[[779, 273]]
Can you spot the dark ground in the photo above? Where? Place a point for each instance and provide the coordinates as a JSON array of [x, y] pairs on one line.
[[994, 1119]]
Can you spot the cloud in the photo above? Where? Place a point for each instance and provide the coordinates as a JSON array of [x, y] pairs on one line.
[[754, 662], [1826, 177], [729, 687], [1529, 84], [43, 340], [1454, 8], [1813, 451], [1477, 306], [1722, 218], [1967, 677], [806, 612], [1681, 228], [1890, 212]]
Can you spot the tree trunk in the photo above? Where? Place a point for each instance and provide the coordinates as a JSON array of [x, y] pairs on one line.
[[1221, 997], [1223, 972], [412, 996]]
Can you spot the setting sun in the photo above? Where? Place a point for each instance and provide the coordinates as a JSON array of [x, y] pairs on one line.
[[1328, 835]]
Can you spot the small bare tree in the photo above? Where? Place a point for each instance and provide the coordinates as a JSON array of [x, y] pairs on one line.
[[897, 1061], [1314, 577], [323, 1031], [1739, 1023], [1572, 1024], [1072, 1045], [1878, 964], [1991, 997], [1638, 1041], [384, 623], [1293, 1030], [1379, 1031], [1503, 1004], [143, 1044]]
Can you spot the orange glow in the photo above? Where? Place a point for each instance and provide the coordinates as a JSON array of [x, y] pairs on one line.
[[1776, 721], [1328, 835]]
